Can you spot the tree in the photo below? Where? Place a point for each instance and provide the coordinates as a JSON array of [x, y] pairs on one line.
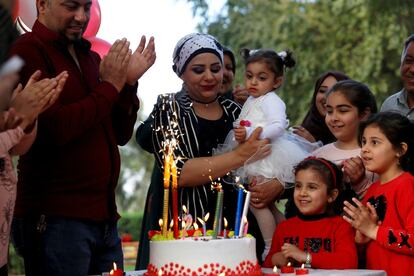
[[356, 37], [135, 175]]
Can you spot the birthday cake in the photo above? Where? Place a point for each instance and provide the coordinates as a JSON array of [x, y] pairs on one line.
[[204, 256]]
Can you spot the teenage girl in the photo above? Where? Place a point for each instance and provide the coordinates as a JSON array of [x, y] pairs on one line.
[[313, 127], [384, 220], [317, 236], [348, 103]]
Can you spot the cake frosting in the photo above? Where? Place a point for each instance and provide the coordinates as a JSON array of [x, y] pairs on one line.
[[204, 256]]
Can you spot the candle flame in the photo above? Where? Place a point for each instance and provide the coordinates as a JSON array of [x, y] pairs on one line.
[[182, 224], [222, 274], [160, 222], [184, 209], [244, 219], [303, 266], [225, 223], [201, 221], [275, 269], [160, 272], [206, 217], [112, 272], [215, 185], [171, 223], [195, 226], [289, 264]]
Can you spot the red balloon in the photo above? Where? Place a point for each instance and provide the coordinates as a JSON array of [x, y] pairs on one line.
[[99, 45], [15, 10], [27, 11], [94, 21]]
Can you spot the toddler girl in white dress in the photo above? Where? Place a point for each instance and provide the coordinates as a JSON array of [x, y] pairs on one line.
[[264, 108]]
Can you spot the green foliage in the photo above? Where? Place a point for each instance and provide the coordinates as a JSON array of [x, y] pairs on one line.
[[15, 262], [358, 37], [136, 169], [130, 223]]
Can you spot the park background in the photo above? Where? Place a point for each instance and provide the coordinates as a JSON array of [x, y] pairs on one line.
[[362, 38]]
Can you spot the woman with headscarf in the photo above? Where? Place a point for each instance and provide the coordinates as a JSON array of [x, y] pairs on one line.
[[198, 119]]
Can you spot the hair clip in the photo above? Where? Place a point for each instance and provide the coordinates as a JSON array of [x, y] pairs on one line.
[[282, 55], [253, 51]]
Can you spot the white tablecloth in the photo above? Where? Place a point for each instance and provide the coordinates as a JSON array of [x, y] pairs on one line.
[[337, 272], [315, 272]]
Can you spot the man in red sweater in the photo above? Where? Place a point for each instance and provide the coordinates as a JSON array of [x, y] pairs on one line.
[[65, 216]]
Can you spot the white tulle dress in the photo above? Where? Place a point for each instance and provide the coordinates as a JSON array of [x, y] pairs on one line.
[[288, 149]]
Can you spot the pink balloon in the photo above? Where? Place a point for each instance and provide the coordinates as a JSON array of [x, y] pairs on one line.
[[99, 45], [94, 21], [27, 11]]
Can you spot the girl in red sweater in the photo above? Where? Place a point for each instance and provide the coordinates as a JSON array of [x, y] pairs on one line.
[[384, 220], [317, 237]]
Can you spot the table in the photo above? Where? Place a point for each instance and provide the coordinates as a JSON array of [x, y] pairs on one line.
[[315, 272], [337, 272]]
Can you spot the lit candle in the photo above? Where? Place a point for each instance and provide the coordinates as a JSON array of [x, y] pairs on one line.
[[287, 268], [275, 273], [174, 198], [160, 223], [219, 205], [246, 226], [115, 271], [204, 222], [184, 230], [195, 229], [171, 225], [245, 210], [225, 228], [302, 270], [238, 212], [167, 166], [165, 213]]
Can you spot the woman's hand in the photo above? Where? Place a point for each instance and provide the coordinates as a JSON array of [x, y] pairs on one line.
[[240, 94], [362, 218], [254, 148], [292, 251], [264, 194], [9, 119], [279, 259], [303, 132], [36, 96], [354, 169], [361, 238]]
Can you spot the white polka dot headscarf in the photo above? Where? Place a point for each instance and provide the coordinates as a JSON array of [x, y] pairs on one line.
[[191, 45]]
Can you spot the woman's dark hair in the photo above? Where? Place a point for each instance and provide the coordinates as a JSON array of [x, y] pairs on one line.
[[398, 129], [228, 52], [276, 62], [332, 176], [8, 33], [357, 93], [314, 122]]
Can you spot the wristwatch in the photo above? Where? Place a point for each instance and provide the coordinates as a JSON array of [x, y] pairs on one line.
[[308, 260]]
